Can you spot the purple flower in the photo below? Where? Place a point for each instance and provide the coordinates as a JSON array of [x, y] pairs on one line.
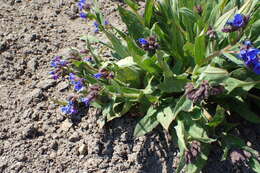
[[79, 85], [98, 75], [106, 22], [96, 25], [70, 108], [83, 15], [57, 62], [72, 76], [250, 56], [143, 41], [238, 21], [247, 43], [81, 4], [86, 101], [77, 82], [257, 68], [87, 59]]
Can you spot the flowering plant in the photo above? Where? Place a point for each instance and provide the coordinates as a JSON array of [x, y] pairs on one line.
[[185, 65]]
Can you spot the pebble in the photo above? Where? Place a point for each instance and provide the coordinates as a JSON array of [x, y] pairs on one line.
[[66, 125], [32, 64], [62, 86], [83, 149], [74, 137], [46, 84]]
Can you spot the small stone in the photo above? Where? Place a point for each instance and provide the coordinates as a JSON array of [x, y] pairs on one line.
[[74, 137], [32, 64], [83, 149], [66, 125], [36, 93], [46, 84], [62, 86]]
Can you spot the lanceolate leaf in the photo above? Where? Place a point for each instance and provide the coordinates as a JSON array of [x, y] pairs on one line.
[[148, 12], [147, 123], [134, 25], [242, 109], [254, 164], [200, 50]]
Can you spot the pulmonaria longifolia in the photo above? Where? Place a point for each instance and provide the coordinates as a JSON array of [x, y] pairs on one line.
[[239, 21], [203, 92], [149, 44], [105, 74], [59, 65], [250, 56]]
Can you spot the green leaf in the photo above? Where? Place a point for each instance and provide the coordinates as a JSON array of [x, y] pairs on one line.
[[200, 50], [184, 104], [218, 117], [170, 85], [163, 117], [180, 131], [213, 74], [232, 83], [118, 46], [198, 132], [254, 164], [147, 123], [233, 58], [241, 108], [148, 12], [255, 30], [220, 23], [132, 4], [134, 25], [233, 141]]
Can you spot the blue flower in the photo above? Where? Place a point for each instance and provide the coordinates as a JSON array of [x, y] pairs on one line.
[[87, 59], [251, 57], [77, 82], [143, 41], [79, 85], [86, 101], [81, 4], [237, 22], [257, 68], [70, 108], [247, 43], [57, 62], [106, 22], [96, 25], [98, 75], [72, 77], [83, 15]]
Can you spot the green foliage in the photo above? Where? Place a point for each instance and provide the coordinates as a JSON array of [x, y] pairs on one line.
[[172, 84]]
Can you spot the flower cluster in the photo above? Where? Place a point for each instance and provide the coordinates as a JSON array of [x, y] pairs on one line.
[[73, 104], [83, 7], [93, 93], [202, 92], [58, 63], [150, 44], [104, 73], [97, 25], [71, 108], [77, 82], [250, 56], [238, 22]]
